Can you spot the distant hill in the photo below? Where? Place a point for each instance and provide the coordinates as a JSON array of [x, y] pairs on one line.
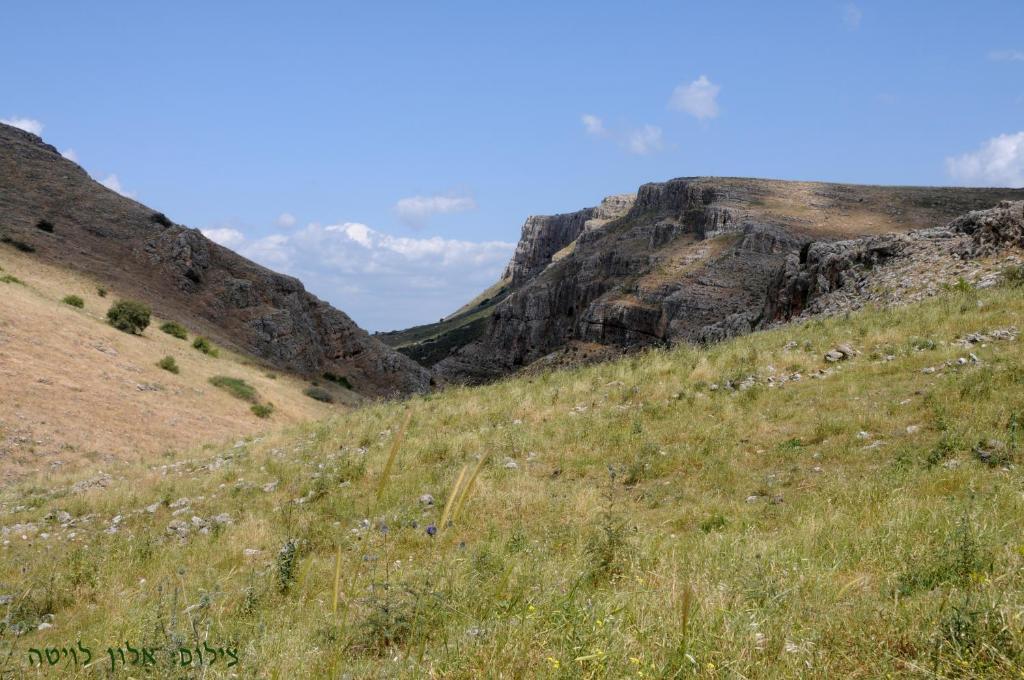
[[53, 209], [693, 259]]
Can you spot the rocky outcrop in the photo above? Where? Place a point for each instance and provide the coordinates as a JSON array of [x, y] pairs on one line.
[[545, 235], [839, 276], [183, 275], [699, 260]]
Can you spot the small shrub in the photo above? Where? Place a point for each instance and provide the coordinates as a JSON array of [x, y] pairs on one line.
[[235, 386], [161, 219], [101, 291], [1013, 277], [129, 316], [320, 394], [338, 379], [20, 245], [9, 278], [74, 301], [713, 523], [175, 329], [45, 225], [169, 364], [262, 410], [206, 347], [287, 564]]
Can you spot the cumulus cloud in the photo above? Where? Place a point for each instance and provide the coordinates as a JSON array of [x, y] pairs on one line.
[[114, 184], [1006, 55], [593, 125], [852, 16], [381, 280], [998, 162], [699, 98], [644, 140], [286, 220], [227, 237], [70, 155], [416, 210], [26, 124]]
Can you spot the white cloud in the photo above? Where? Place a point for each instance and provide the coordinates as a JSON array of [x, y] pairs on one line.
[[26, 124], [227, 237], [382, 281], [699, 98], [114, 184], [644, 140], [286, 220], [416, 210], [852, 16], [1006, 55], [998, 162], [70, 155], [593, 125]]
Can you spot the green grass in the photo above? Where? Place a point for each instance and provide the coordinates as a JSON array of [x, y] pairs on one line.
[[650, 527], [262, 410], [74, 301], [236, 387], [10, 278]]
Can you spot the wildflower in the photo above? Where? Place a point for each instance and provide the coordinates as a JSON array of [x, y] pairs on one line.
[[554, 663], [431, 530]]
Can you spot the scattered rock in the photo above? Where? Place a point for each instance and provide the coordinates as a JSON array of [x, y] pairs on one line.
[[179, 528], [511, 464], [426, 500]]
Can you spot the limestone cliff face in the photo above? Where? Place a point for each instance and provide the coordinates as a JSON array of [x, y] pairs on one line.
[[689, 260], [185, 276], [545, 235]]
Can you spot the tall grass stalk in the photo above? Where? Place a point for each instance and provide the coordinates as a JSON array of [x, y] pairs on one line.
[[451, 497], [392, 454]]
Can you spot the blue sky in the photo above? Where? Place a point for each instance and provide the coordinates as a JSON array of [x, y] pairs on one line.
[[388, 153]]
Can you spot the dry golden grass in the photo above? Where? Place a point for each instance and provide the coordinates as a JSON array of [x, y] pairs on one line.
[[71, 383]]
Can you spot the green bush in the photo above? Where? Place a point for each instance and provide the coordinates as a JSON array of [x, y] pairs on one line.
[[205, 346], [74, 301], [175, 329], [320, 394], [262, 410], [129, 316], [339, 379], [101, 291], [169, 364], [20, 245], [235, 386], [8, 278]]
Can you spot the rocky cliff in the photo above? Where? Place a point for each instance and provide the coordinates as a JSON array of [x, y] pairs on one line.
[[183, 275], [688, 260]]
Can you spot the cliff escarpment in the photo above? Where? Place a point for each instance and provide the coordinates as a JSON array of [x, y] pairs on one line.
[[689, 260]]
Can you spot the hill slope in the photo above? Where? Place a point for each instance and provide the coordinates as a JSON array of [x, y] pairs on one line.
[[638, 518], [689, 260], [78, 393], [184, 275]]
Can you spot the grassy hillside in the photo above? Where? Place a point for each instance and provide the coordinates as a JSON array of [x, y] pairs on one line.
[[77, 392], [430, 343], [635, 519]]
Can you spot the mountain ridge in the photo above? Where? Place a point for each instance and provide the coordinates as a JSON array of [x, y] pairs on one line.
[[184, 275]]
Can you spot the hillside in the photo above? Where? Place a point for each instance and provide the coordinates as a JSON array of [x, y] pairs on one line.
[[747, 510], [78, 394], [50, 206], [689, 260]]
